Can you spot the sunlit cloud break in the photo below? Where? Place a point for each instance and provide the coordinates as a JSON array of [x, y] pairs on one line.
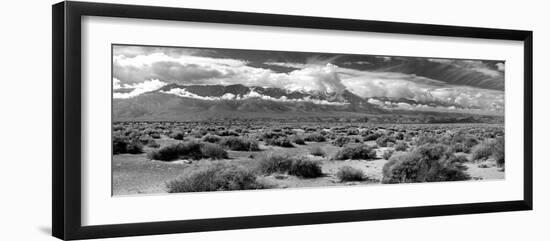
[[135, 89], [250, 95]]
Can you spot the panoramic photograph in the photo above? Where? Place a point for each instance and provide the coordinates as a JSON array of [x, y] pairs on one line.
[[187, 119]]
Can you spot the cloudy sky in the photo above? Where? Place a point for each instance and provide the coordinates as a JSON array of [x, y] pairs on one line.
[[388, 81]]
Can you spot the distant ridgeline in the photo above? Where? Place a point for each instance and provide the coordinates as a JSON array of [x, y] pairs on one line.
[[427, 118], [237, 102]]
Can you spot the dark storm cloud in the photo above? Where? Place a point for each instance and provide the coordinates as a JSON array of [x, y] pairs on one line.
[[468, 83], [168, 71]]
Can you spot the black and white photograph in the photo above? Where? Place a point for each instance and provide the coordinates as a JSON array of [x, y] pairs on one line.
[[189, 119]]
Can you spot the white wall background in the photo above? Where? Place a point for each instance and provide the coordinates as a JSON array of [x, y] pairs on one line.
[[25, 99]]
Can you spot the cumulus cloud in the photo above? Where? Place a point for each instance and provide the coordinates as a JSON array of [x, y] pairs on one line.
[[182, 92], [287, 64], [315, 78], [182, 69], [500, 66], [204, 70], [132, 90], [116, 84], [136, 73], [398, 86]]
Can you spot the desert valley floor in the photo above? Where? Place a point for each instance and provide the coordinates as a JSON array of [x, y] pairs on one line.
[[139, 173]]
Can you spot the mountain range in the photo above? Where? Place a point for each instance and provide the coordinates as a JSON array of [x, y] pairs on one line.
[[207, 102], [193, 102]]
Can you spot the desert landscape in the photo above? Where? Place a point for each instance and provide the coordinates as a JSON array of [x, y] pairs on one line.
[[161, 157], [196, 120]]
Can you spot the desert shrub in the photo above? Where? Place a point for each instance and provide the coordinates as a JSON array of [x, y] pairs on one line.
[[211, 138], [399, 136], [213, 151], [271, 135], [470, 142], [384, 140], [274, 162], [145, 139], [355, 151], [425, 139], [153, 144], [498, 152], [134, 147], [350, 174], [155, 135], [177, 135], [483, 165], [299, 140], [317, 151], [253, 145], [387, 154], [239, 144], [199, 133], [315, 137], [283, 163], [463, 143], [228, 133], [149, 131], [401, 146], [176, 151], [459, 147], [352, 131], [305, 168], [310, 129], [125, 145], [427, 163], [459, 158], [343, 140], [119, 144], [280, 141], [216, 177], [372, 136], [118, 127], [188, 150], [482, 150]]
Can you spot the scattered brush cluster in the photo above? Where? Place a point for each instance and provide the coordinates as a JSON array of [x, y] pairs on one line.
[[277, 138], [344, 140], [493, 148], [315, 137], [281, 163], [350, 174], [317, 151], [385, 141], [227, 177], [232, 142], [387, 154], [216, 177], [193, 150], [239, 144], [355, 151], [122, 144], [282, 141], [426, 163], [298, 140], [132, 142]]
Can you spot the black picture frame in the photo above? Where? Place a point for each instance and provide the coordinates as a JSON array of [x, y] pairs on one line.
[[66, 127]]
